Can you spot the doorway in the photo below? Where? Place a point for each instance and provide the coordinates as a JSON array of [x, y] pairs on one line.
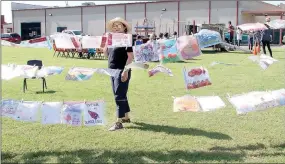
[[30, 30]]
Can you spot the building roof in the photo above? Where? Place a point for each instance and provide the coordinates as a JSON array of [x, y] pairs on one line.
[[263, 12]]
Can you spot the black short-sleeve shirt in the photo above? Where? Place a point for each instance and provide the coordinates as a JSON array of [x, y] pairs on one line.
[[117, 57]]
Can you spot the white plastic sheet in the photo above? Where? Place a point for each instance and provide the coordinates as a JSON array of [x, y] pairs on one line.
[[210, 103], [9, 108], [27, 111], [51, 112]]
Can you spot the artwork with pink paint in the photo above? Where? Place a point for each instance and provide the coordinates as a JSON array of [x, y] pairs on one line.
[[119, 40], [71, 113], [188, 47], [196, 77], [9, 107], [168, 52], [145, 52], [159, 68]]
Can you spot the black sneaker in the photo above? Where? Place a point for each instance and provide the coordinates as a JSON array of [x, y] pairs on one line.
[[126, 121], [116, 126]]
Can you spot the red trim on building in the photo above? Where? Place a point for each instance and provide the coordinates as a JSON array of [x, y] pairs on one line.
[[97, 5], [81, 11], [178, 17], [280, 41], [45, 22], [144, 10], [13, 21], [105, 17], [210, 6], [125, 11], [237, 13]]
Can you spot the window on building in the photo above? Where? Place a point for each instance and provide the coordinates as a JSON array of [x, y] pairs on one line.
[[60, 29], [9, 30]]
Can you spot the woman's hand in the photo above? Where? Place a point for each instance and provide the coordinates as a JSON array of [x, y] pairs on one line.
[[125, 75]]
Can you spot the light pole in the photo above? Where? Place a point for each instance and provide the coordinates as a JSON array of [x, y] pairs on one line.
[[162, 12]]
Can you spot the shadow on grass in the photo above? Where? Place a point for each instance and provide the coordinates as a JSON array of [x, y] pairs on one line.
[[107, 156], [180, 131], [46, 92]]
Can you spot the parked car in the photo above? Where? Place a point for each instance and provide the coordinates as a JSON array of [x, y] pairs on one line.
[[244, 39], [11, 37], [76, 33]]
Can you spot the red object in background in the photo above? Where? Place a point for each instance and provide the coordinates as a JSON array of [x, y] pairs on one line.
[[11, 37], [42, 39], [2, 23]]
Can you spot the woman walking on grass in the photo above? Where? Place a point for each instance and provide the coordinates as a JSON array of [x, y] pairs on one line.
[[118, 58]]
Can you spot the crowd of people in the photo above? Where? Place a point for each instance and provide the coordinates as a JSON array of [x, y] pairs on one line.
[[258, 38]]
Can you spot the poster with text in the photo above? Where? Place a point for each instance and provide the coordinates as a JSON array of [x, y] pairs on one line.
[[27, 111], [94, 113], [71, 113], [9, 108]]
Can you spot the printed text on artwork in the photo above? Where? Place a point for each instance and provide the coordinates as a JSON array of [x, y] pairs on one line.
[[93, 121]]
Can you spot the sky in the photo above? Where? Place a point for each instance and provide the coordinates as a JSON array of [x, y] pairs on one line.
[[6, 5]]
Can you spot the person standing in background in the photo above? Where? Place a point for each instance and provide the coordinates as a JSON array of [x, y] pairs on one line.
[[118, 58], [139, 40], [239, 36], [250, 40], [266, 38], [231, 31]]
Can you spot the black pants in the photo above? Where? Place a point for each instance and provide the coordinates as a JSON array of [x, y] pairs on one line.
[[238, 42], [231, 39], [250, 45], [266, 43], [120, 90]]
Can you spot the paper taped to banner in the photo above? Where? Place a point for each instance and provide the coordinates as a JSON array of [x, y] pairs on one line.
[[94, 113]]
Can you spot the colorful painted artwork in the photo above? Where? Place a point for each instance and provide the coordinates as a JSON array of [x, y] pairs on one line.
[[94, 113], [51, 112], [79, 74], [27, 111], [71, 113], [210, 103], [207, 38], [63, 40], [145, 52], [168, 51], [188, 47], [119, 40], [196, 77], [159, 68], [9, 108], [48, 71], [186, 103]]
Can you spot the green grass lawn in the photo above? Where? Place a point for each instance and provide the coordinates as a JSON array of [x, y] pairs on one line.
[[157, 134]]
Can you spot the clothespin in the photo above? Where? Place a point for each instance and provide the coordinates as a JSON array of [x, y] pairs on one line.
[[84, 101], [43, 102], [22, 100], [228, 95]]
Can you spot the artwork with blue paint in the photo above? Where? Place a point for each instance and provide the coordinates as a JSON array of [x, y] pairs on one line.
[[9, 107], [145, 52], [207, 38], [169, 52], [79, 74]]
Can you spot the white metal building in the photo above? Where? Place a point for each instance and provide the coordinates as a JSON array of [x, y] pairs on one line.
[[91, 19]]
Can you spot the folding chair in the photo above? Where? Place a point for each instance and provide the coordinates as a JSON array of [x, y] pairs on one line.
[[38, 63]]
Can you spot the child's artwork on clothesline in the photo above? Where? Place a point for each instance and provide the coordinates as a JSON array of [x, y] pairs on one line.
[[196, 77], [119, 40], [159, 68], [145, 52], [168, 51], [188, 47], [207, 38]]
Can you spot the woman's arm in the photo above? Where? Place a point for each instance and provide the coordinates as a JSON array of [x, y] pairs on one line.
[[130, 58]]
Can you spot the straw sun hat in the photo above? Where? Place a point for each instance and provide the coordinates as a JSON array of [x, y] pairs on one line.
[[118, 19]]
